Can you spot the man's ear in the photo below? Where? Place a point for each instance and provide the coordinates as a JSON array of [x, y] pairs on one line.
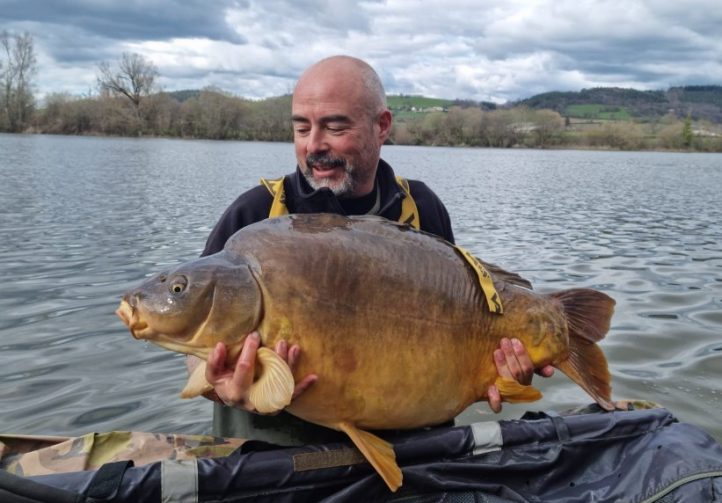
[[384, 122]]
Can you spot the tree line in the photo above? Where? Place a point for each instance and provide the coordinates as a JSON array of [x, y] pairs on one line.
[[525, 127], [129, 103]]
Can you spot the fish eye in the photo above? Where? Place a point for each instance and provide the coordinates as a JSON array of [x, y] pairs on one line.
[[178, 285]]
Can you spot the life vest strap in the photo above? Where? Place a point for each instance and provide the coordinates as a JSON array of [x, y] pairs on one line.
[[493, 300], [275, 187], [409, 211]]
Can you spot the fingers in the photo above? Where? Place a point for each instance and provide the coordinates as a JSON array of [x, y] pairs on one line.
[[303, 385], [216, 366], [494, 398], [546, 371], [232, 384], [293, 355], [501, 367], [281, 349], [513, 362], [246, 364], [288, 353]]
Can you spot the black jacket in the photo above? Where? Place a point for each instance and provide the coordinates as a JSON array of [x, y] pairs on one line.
[[255, 205]]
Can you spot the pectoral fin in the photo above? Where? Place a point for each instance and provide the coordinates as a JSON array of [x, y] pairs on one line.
[[513, 392], [273, 389], [197, 384], [378, 452]]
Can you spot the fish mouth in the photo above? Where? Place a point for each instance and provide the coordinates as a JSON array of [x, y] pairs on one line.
[[141, 331], [129, 316]]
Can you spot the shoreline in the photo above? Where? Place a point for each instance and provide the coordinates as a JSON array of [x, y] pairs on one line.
[[581, 147]]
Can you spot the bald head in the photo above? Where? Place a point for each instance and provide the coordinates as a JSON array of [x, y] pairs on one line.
[[349, 74]]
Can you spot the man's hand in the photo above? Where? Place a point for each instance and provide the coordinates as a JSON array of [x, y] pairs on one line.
[[232, 383], [513, 362]]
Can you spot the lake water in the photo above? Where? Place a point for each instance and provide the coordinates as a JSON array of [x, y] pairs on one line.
[[83, 219]]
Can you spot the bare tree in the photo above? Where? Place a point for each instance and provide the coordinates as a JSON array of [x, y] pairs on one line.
[[17, 68], [134, 78]]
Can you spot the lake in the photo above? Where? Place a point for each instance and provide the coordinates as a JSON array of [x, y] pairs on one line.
[[83, 219]]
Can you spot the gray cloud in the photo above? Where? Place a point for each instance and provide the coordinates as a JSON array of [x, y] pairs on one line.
[[493, 50], [148, 20]]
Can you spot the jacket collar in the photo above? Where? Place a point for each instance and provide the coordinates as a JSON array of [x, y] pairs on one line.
[[385, 180]]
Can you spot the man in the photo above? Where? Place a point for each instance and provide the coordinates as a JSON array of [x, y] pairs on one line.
[[340, 121]]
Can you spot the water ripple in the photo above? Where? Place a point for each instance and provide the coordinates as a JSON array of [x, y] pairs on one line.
[[84, 219]]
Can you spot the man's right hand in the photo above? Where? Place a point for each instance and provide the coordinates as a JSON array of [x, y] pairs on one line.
[[232, 383]]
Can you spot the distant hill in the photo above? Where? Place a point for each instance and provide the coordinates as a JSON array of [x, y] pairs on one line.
[[406, 107], [184, 95], [600, 103], [701, 102]]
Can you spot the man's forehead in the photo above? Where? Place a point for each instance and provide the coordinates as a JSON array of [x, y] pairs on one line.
[[328, 107], [331, 117]]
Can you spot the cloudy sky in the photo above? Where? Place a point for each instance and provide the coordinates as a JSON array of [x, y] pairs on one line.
[[495, 50]]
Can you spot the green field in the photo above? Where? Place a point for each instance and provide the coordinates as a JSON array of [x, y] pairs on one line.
[[401, 106], [406, 102], [605, 112]]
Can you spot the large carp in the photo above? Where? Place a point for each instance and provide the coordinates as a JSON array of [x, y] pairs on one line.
[[395, 323]]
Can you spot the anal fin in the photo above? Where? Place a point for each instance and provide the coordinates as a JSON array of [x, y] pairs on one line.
[[513, 392], [378, 452], [587, 367]]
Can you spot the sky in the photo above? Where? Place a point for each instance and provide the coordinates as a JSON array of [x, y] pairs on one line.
[[496, 50]]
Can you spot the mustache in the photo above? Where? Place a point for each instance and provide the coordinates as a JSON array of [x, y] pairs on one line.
[[325, 160]]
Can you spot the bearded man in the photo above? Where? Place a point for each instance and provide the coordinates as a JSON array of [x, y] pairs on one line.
[[340, 122]]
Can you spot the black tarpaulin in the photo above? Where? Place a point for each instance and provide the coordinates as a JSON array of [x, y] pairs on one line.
[[631, 456]]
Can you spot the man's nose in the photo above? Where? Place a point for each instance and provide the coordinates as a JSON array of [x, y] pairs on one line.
[[316, 141]]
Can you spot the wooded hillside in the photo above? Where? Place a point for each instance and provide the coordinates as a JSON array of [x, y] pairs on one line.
[[699, 102]]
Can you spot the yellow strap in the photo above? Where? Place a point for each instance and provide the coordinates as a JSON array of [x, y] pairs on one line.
[[409, 212], [487, 285], [275, 187]]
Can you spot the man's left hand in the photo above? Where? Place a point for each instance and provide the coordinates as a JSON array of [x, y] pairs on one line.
[[513, 362]]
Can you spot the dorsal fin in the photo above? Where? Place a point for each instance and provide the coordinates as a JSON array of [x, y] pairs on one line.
[[509, 277]]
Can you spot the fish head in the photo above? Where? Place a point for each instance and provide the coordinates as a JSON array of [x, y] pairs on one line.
[[194, 306]]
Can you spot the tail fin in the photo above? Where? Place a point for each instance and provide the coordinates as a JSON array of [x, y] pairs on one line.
[[588, 314], [378, 452]]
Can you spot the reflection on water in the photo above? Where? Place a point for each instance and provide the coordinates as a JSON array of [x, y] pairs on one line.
[[84, 219]]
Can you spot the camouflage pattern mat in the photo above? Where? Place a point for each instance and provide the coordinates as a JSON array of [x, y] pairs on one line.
[[26, 455]]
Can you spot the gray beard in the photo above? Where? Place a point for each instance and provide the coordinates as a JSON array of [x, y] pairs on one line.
[[345, 188]]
